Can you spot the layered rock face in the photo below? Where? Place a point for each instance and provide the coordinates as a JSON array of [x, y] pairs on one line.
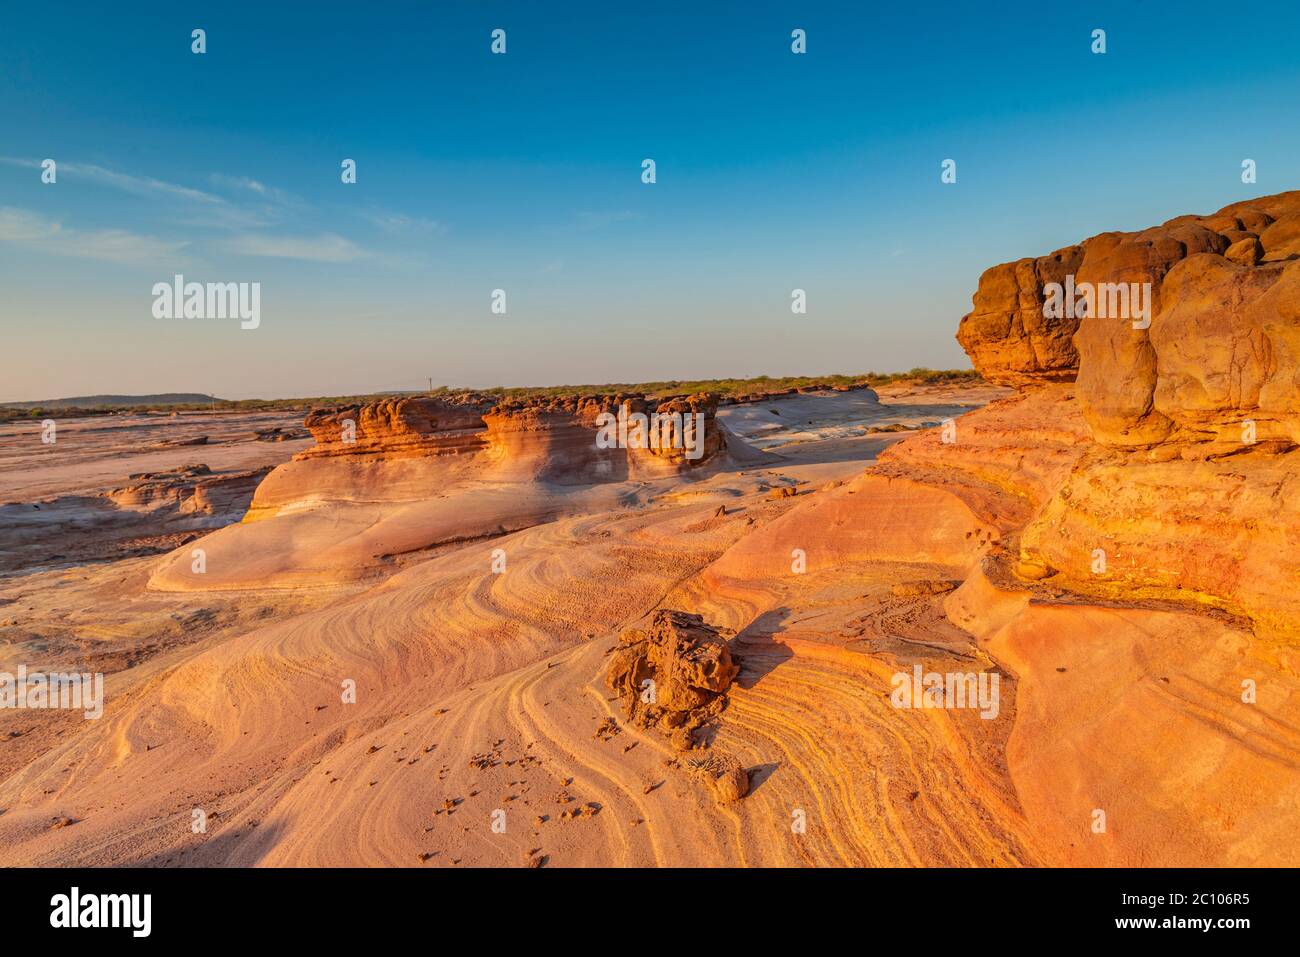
[[1220, 533], [401, 449], [560, 440], [552, 441], [557, 435], [416, 425], [1180, 486], [1123, 528], [401, 476]]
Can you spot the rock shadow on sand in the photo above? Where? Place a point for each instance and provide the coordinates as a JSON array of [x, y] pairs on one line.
[[241, 846], [756, 649]]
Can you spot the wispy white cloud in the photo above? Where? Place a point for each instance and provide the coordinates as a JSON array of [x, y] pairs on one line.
[[241, 182], [34, 231], [402, 224], [246, 184], [139, 185], [325, 248], [249, 207], [257, 206]]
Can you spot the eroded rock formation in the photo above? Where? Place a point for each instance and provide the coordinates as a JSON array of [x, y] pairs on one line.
[[190, 489], [673, 676], [553, 437], [415, 425], [1012, 342], [1181, 486], [400, 449], [399, 476], [155, 511]]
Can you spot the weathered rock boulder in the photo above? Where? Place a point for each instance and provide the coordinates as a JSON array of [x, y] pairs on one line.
[[1006, 335], [673, 676], [1014, 340], [190, 489]]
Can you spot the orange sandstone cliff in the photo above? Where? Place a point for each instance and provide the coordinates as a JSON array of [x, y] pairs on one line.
[[1144, 585], [1181, 486], [1120, 532]]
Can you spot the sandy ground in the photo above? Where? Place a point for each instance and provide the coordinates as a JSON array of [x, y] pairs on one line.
[[108, 487], [97, 453], [479, 732]]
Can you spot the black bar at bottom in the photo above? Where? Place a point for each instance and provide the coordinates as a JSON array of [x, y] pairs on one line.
[[371, 906]]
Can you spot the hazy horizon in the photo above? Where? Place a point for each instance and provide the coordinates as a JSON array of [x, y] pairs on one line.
[[522, 171], [458, 387]]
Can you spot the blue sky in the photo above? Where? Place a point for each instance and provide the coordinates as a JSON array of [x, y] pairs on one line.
[[522, 172]]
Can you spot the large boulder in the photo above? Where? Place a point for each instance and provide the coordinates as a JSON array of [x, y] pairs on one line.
[[672, 676], [1008, 337], [1015, 338]]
